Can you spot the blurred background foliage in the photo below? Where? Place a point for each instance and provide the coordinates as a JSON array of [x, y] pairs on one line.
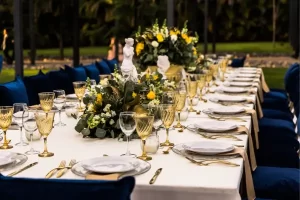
[[235, 20]]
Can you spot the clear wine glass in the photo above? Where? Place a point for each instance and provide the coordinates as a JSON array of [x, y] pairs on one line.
[[18, 117], [29, 125], [128, 125], [59, 102]]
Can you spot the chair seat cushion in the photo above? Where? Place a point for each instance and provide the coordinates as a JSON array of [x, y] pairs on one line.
[[61, 80], [277, 114], [279, 124], [103, 67], [76, 73], [92, 72], [238, 62], [49, 189], [13, 92], [112, 64], [278, 94], [277, 183], [36, 84]]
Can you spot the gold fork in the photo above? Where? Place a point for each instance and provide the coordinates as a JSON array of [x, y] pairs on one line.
[[62, 171], [226, 118], [208, 162], [61, 165], [213, 137]]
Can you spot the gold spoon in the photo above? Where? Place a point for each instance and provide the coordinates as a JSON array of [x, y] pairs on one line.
[[167, 151]]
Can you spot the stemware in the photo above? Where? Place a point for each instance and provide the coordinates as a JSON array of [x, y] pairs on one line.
[[59, 102], [209, 76], [192, 91], [144, 125], [127, 124], [46, 100], [223, 67], [44, 122], [167, 112], [6, 113], [18, 116], [214, 69], [181, 99], [201, 84], [79, 88], [168, 98], [30, 125], [93, 83]]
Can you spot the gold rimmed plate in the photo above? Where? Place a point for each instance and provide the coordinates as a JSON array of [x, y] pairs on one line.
[[20, 159]]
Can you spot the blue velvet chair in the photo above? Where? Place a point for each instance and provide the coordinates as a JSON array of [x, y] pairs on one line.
[[59, 189], [92, 72], [276, 183], [277, 114], [13, 92], [111, 64], [36, 84], [1, 63], [103, 67], [238, 62], [76, 73], [61, 80]]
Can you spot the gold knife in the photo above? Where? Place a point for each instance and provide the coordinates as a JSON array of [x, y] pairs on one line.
[[24, 168], [153, 179], [61, 165], [63, 171]]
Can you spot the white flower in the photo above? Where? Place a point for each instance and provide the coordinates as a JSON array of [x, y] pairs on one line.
[[103, 121], [106, 108], [113, 113], [104, 82], [154, 44], [102, 114], [174, 38], [107, 115], [153, 103], [96, 117], [91, 107], [111, 122], [201, 56]]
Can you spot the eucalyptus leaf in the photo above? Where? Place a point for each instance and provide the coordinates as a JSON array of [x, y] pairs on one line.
[[86, 132], [80, 126], [74, 116], [112, 134], [149, 58], [100, 133]]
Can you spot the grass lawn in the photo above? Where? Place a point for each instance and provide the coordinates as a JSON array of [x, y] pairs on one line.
[[274, 76]]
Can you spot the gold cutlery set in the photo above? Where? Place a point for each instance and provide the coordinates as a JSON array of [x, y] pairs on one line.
[[61, 169], [208, 162]]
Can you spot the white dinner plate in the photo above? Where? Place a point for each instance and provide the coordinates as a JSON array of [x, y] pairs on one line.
[[7, 158], [71, 96], [227, 110], [228, 99], [246, 75], [233, 89], [238, 84], [212, 126], [237, 79], [208, 147], [110, 164]]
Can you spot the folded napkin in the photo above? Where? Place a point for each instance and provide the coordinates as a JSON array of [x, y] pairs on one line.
[[255, 125], [248, 176], [108, 177], [258, 108]]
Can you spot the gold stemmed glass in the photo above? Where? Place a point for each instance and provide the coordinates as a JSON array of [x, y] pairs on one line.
[[201, 84], [209, 76], [79, 88], [167, 112], [181, 99], [46, 100], [6, 113], [214, 69], [192, 91], [144, 124], [223, 67], [44, 122]]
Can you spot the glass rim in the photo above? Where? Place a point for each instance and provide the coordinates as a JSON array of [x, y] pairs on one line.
[[6, 107], [44, 93], [128, 113], [59, 90], [24, 104], [79, 82]]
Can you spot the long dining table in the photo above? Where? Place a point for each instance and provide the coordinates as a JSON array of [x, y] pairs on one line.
[[179, 179]]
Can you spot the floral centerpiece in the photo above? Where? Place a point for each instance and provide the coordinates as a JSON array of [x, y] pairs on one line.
[[105, 102], [178, 45]]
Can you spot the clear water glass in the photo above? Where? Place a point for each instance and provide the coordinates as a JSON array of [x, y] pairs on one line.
[[59, 102], [128, 125], [18, 117], [30, 126]]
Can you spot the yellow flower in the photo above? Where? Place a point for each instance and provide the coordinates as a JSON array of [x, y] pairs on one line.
[[184, 36], [194, 51], [139, 81], [177, 32], [155, 77], [139, 47], [159, 37], [151, 95], [150, 36], [133, 94], [173, 32], [188, 40], [147, 76], [99, 99]]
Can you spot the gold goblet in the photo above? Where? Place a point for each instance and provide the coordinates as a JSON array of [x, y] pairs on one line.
[[214, 69], [144, 124], [46, 100], [167, 112], [6, 113], [44, 122], [192, 91], [223, 67], [181, 99], [209, 76], [201, 80], [79, 88]]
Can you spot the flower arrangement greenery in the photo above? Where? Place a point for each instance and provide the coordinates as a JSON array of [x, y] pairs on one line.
[[178, 45], [104, 102]]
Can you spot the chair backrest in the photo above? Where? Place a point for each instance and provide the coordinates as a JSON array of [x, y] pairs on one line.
[[291, 81], [49, 189], [1, 63]]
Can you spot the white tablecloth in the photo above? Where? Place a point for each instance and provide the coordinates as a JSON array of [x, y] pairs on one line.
[[179, 179]]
